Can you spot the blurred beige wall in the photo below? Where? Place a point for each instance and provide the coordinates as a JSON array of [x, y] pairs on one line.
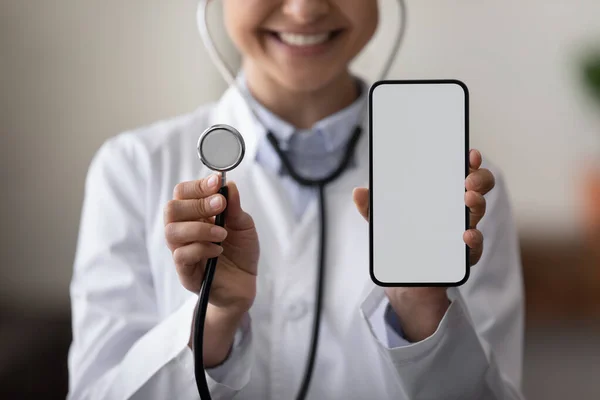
[[73, 73]]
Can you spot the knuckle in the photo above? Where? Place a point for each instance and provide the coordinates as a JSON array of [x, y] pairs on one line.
[[178, 191], [178, 256], [476, 204], [470, 198], [171, 232], [170, 211], [201, 207], [199, 188], [187, 255]]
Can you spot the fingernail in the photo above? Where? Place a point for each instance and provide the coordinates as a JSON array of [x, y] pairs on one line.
[[212, 181], [218, 233], [215, 202]]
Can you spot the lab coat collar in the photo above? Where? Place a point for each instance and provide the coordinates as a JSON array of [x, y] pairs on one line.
[[334, 127]]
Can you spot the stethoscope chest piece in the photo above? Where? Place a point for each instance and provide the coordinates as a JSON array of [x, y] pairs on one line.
[[221, 148]]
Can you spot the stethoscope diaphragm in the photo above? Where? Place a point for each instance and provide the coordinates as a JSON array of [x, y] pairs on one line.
[[221, 148]]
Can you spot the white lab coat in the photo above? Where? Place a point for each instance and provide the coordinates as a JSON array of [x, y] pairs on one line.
[[132, 317]]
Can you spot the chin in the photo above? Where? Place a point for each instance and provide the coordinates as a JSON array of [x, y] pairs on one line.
[[309, 81]]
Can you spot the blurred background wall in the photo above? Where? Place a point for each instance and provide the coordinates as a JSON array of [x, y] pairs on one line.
[[73, 73]]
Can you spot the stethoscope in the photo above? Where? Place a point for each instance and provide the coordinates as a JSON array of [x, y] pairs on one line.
[[221, 148]]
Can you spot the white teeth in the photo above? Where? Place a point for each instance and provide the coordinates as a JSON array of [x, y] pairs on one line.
[[294, 39]]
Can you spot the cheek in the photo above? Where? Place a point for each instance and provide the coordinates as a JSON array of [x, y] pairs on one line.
[[363, 16], [242, 20], [368, 20], [232, 20]]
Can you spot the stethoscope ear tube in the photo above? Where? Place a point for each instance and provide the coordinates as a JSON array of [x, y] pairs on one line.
[[201, 308]]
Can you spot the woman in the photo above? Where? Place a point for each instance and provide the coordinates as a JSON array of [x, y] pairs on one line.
[[138, 270]]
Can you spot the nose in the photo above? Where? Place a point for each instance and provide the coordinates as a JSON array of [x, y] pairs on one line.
[[306, 11]]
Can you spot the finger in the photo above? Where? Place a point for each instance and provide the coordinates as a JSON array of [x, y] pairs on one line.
[[237, 218], [193, 210], [197, 189], [361, 200], [191, 257], [474, 239], [477, 204], [183, 233], [481, 181], [475, 160]]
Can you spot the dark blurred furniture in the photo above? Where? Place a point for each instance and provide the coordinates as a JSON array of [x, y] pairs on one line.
[[562, 279], [33, 363]]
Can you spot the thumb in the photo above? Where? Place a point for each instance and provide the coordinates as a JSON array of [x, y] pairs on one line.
[[236, 219], [361, 199]]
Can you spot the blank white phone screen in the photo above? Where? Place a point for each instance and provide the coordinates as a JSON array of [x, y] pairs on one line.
[[419, 162]]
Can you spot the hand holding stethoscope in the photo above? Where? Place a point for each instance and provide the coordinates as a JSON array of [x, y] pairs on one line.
[[195, 234]]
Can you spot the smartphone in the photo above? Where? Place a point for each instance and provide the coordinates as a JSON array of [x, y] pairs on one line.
[[419, 159]]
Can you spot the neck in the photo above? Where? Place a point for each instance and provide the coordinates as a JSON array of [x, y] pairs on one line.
[[302, 109]]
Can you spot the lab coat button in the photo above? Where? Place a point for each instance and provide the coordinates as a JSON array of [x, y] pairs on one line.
[[297, 310]]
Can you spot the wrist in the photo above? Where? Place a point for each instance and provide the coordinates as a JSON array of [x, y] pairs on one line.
[[220, 328], [419, 310]]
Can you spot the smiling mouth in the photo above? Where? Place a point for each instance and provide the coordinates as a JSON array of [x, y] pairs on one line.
[[304, 40]]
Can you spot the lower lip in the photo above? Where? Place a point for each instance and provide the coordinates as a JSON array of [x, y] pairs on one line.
[[312, 50]]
